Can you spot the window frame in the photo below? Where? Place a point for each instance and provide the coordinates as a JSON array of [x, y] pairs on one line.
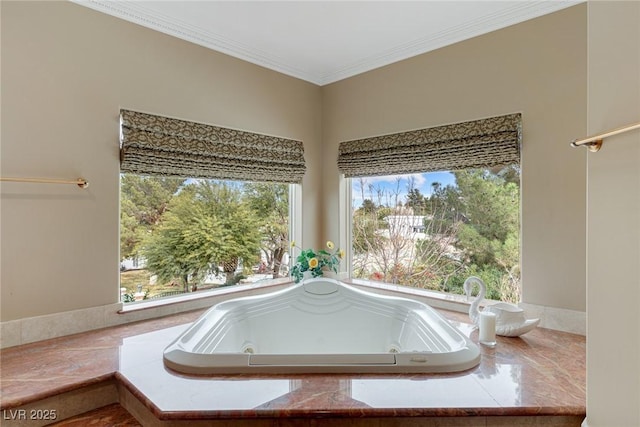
[[193, 299], [436, 298]]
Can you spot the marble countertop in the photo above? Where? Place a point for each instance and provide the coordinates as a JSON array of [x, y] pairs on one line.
[[540, 373]]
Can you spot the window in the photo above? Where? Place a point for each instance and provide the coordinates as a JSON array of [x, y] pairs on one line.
[[433, 230], [414, 229], [228, 221], [186, 235]]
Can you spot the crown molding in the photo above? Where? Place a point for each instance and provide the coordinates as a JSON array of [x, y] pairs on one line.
[[517, 13], [137, 13]]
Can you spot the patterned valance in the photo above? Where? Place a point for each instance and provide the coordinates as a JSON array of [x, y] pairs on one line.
[[476, 144], [156, 145]]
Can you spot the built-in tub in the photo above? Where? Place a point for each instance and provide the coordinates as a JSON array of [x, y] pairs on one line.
[[321, 325]]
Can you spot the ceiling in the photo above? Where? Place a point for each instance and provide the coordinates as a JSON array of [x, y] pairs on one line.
[[325, 41]]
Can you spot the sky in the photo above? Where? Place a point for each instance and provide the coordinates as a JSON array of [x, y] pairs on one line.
[[393, 185]]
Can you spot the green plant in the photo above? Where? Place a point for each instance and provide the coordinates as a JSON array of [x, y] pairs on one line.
[[128, 297], [317, 262]]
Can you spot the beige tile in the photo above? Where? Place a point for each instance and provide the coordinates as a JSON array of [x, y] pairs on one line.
[[571, 321], [60, 324], [558, 319], [10, 333]]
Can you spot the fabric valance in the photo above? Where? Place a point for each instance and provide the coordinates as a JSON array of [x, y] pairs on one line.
[[475, 144], [156, 145]]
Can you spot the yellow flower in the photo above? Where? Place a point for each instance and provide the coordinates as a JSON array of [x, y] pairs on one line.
[[293, 243], [313, 262], [341, 253], [330, 244]]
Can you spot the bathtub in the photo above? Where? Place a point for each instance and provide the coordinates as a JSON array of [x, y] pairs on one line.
[[322, 325]]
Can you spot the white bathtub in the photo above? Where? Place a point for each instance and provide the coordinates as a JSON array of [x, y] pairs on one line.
[[321, 326]]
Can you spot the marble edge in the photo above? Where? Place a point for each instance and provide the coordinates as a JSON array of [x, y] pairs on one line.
[[368, 413], [54, 391], [343, 412], [124, 382]]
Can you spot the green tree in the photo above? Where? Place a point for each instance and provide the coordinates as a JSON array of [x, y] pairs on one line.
[[491, 204], [471, 228], [490, 236], [367, 206], [416, 201], [205, 226], [240, 227], [366, 239], [269, 203], [131, 231], [184, 245], [143, 201]]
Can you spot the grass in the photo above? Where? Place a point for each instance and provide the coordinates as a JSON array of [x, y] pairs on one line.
[[132, 278]]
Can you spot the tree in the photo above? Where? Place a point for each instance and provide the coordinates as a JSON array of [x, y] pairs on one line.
[[269, 202], [131, 231], [491, 204], [184, 246], [205, 226], [365, 226], [416, 201], [143, 201], [240, 227], [490, 236], [367, 206], [471, 228]]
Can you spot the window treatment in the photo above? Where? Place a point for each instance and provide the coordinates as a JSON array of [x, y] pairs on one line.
[[475, 144], [156, 145]]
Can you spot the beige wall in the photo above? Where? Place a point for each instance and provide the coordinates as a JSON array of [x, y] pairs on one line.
[[66, 71], [613, 232], [537, 68]]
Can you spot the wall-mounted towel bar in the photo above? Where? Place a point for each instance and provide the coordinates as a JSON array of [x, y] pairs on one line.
[[80, 182], [593, 143]]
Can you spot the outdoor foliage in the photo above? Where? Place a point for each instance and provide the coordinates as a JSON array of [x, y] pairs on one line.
[[436, 241], [185, 245], [269, 203], [188, 229], [143, 201]]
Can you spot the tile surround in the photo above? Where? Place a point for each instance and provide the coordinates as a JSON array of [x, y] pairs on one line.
[[33, 329], [559, 319], [541, 373]]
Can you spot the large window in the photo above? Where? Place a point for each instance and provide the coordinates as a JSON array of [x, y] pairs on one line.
[[433, 230], [447, 208], [228, 223], [186, 235]]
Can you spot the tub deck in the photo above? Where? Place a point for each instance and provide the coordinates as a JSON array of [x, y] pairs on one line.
[[537, 378]]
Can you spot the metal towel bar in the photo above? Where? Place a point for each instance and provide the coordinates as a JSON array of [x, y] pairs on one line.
[[80, 182], [593, 143]]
